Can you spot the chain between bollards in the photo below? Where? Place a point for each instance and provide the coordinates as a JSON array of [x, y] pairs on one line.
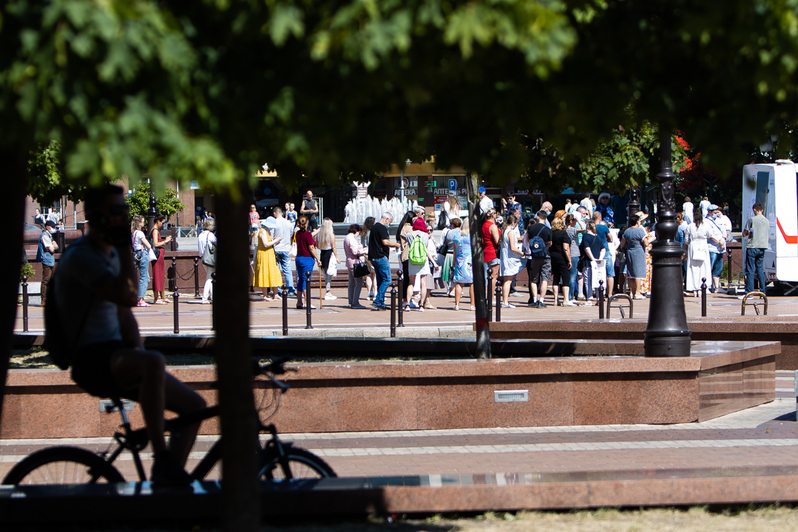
[[285, 310], [25, 303], [196, 277], [393, 310], [309, 325], [601, 299], [175, 311], [400, 309], [703, 297], [213, 301], [498, 303]]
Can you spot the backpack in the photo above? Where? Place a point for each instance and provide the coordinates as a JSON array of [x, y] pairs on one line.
[[418, 251], [55, 337], [537, 246]]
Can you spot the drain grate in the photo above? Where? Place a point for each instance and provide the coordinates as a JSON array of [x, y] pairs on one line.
[[511, 396]]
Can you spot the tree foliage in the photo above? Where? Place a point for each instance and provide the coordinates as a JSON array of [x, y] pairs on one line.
[[167, 201]]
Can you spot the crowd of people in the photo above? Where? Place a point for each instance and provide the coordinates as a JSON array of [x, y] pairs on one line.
[[570, 253]]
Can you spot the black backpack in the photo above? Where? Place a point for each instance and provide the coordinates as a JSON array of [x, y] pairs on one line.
[[55, 336]]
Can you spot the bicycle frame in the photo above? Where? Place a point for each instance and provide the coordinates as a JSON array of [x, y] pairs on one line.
[[136, 440]]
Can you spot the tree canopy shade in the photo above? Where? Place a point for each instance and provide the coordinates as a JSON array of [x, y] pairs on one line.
[[211, 90]]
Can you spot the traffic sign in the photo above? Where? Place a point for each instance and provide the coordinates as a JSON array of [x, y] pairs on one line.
[[453, 185]]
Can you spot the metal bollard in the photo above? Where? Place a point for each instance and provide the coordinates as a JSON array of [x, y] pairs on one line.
[[601, 299], [175, 298], [756, 308], [213, 301], [400, 310], [196, 277], [173, 277], [25, 303], [393, 310], [307, 301], [489, 300], [703, 297], [285, 310], [498, 303]]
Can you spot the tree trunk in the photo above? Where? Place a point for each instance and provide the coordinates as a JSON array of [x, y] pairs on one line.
[[478, 267], [14, 168], [240, 486]]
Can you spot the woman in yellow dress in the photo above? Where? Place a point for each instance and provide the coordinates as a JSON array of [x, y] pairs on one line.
[[267, 274]]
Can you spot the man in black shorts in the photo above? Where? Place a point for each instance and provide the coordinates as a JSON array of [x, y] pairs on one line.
[[96, 289]]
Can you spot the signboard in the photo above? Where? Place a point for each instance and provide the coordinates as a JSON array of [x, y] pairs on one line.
[[453, 185]]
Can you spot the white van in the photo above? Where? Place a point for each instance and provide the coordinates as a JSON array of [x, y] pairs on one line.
[[774, 186]]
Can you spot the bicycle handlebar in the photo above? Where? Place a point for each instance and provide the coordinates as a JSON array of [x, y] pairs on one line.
[[277, 367]]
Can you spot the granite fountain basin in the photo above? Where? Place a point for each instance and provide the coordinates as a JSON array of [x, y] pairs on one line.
[[437, 384]]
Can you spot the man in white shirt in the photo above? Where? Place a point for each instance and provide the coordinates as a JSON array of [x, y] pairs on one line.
[[485, 203], [587, 204], [717, 245], [687, 210], [705, 206], [285, 230]]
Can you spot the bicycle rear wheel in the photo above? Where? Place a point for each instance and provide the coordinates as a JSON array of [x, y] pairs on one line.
[[63, 465], [299, 465]]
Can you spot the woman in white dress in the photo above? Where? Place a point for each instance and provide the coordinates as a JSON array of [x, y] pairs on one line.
[[698, 263], [511, 257]]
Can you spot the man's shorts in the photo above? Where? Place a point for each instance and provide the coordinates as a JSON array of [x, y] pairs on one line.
[[91, 370], [539, 270], [610, 266]]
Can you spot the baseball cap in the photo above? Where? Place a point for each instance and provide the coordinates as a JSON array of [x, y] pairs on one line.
[[713, 207], [481, 190], [49, 223]]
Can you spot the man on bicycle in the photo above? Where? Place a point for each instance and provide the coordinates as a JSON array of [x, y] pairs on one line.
[[96, 289]]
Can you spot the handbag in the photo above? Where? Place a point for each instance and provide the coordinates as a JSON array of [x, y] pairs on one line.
[[138, 255], [209, 256], [332, 266], [698, 250], [152, 255], [361, 269]]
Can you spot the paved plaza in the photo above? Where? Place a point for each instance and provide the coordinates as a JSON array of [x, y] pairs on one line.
[[759, 443]]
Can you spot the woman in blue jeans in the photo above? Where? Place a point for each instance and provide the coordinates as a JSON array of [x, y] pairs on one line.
[[141, 253], [573, 234], [306, 258]]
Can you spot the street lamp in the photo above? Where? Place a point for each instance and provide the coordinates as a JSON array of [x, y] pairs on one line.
[[667, 334], [402, 181]]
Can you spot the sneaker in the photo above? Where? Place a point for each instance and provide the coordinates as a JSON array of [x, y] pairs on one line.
[[145, 304], [166, 472], [421, 309], [413, 304], [532, 304], [569, 304], [204, 302], [508, 306], [329, 297], [541, 304], [375, 306]]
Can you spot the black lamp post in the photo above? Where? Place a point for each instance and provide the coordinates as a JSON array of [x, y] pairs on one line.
[[667, 334], [634, 203], [152, 212]]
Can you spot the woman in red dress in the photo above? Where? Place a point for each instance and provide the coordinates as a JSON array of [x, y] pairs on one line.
[[158, 268]]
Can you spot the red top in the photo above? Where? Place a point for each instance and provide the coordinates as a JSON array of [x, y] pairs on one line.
[[487, 242], [304, 239]]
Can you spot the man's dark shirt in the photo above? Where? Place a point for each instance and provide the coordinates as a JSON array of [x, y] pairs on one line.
[[378, 250]]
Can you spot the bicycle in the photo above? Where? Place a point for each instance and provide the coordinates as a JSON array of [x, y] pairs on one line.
[[278, 461]]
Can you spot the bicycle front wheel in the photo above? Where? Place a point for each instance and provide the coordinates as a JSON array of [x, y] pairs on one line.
[[62, 465], [298, 464]]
